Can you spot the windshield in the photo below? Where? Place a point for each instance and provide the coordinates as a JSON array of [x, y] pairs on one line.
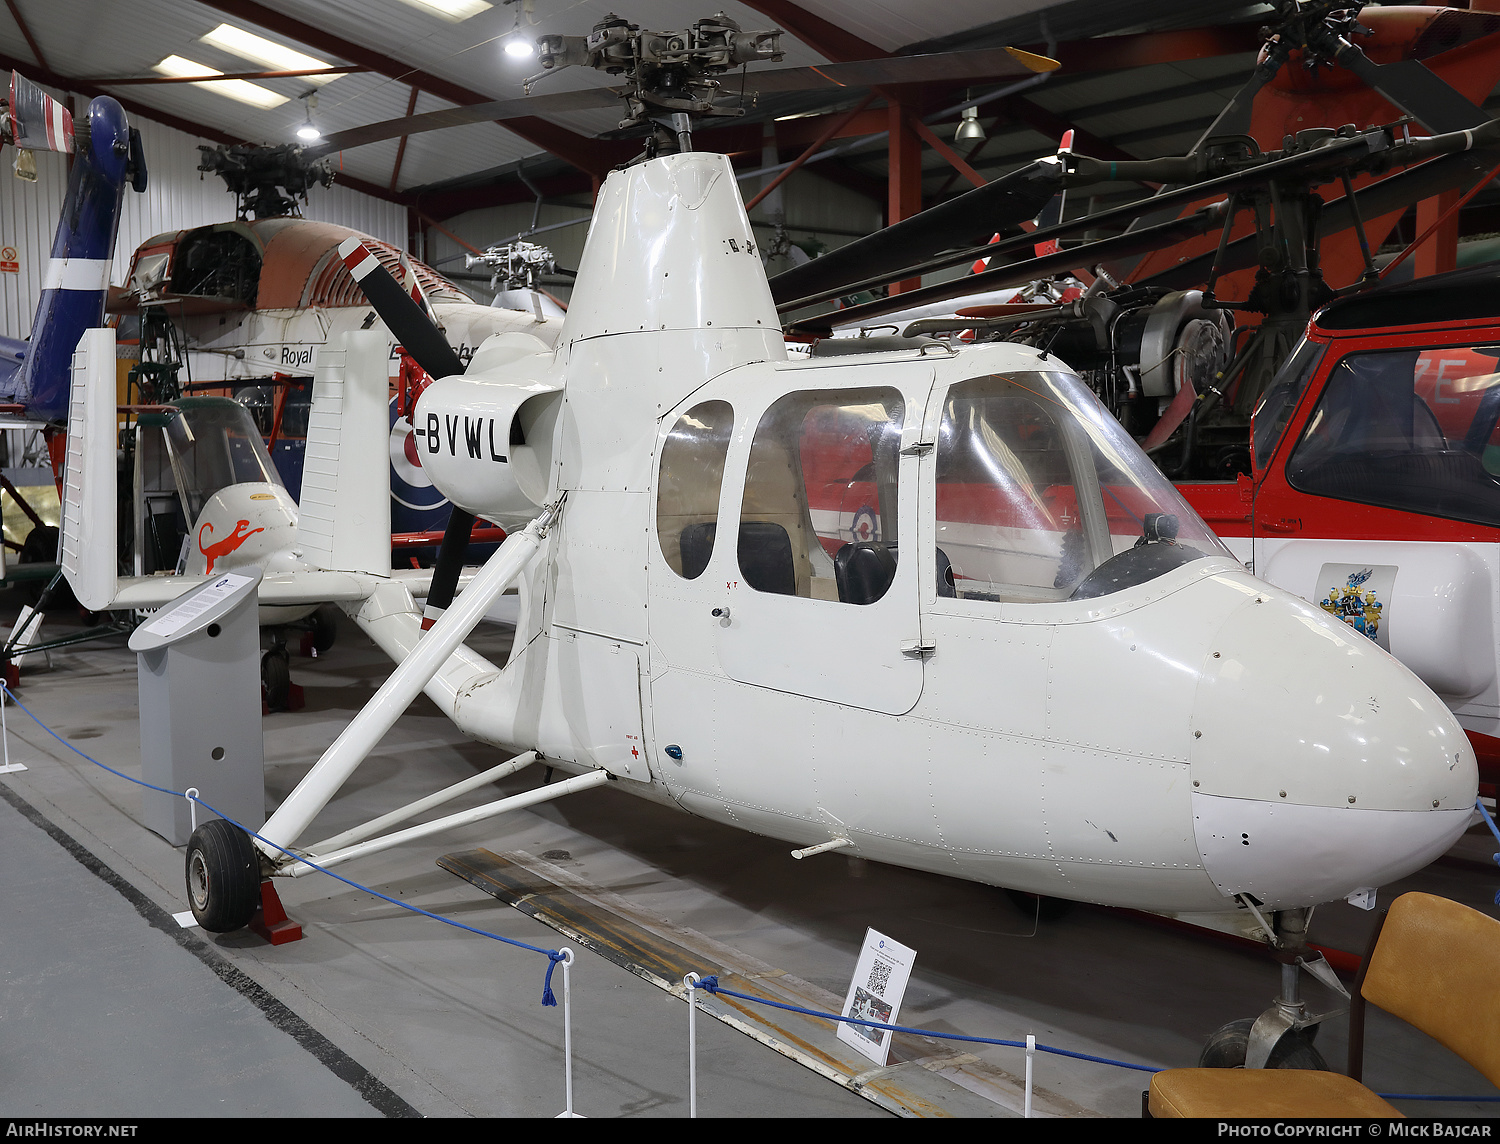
[[1412, 429], [1041, 495], [213, 443]]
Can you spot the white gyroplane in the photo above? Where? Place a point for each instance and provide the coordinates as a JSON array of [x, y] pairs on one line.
[[931, 607]]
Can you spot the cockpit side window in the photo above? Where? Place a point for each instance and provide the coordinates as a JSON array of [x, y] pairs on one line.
[[819, 518], [1010, 513], [692, 473], [213, 263], [1411, 429]]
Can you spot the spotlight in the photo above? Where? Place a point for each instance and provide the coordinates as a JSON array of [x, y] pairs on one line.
[[970, 130], [519, 48]]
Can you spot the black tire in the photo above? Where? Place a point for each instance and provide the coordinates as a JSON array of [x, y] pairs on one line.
[[276, 679], [1227, 1046], [1040, 906], [325, 627], [40, 547], [223, 876]]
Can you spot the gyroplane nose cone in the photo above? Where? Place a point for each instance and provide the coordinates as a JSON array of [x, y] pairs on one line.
[[1320, 765]]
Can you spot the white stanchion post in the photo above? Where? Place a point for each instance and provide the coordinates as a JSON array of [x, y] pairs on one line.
[[690, 983], [567, 960], [191, 794], [1030, 1056], [7, 767]]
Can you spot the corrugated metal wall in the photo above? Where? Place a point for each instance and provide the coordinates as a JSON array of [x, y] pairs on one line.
[[177, 196]]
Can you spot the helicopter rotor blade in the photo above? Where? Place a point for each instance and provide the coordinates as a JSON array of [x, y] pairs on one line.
[[1375, 199], [1019, 273], [1414, 90], [1329, 158], [956, 67], [40, 122], [993, 207], [585, 99], [989, 63]]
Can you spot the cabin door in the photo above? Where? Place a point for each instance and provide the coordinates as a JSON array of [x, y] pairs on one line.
[[821, 594]]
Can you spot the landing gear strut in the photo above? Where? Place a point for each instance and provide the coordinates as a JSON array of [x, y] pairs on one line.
[[1282, 1036]]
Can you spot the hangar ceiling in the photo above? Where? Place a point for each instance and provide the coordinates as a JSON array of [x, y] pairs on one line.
[[1138, 79]]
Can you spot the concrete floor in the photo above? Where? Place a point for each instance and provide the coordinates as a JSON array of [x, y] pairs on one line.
[[107, 1008]]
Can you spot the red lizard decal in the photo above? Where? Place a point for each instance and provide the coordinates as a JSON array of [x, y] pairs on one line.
[[225, 546]]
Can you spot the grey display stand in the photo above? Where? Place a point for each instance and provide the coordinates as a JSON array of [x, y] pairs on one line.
[[199, 670]]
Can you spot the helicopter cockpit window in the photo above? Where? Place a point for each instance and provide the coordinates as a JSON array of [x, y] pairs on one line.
[[1408, 429], [213, 443], [217, 264], [1041, 496], [819, 515], [692, 472], [1282, 397]]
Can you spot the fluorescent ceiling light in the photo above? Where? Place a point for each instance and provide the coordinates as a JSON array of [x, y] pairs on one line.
[[242, 90], [454, 11], [273, 56]]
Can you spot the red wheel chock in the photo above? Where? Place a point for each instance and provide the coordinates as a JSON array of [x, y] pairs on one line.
[[270, 921]]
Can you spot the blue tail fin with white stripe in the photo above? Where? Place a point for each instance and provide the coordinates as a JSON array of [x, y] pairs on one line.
[[77, 276]]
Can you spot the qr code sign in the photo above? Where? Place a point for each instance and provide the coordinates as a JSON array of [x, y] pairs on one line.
[[880, 977]]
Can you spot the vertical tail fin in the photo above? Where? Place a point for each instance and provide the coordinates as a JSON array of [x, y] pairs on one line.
[[77, 276], [90, 514], [344, 517]]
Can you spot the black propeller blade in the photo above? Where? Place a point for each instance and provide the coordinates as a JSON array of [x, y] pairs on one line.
[[426, 344]]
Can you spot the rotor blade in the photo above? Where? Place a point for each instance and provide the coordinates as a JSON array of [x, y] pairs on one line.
[[1235, 118], [997, 63], [400, 313], [585, 99], [983, 64], [1019, 273], [987, 209], [1375, 199], [41, 123], [864, 253], [1416, 91]]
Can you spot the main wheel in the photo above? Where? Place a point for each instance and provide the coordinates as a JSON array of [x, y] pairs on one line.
[[325, 627], [223, 876], [276, 679], [1227, 1047]]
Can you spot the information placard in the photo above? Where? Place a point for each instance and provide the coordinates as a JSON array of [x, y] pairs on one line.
[[875, 994]]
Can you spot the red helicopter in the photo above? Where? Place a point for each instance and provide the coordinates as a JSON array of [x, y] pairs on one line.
[[1375, 489]]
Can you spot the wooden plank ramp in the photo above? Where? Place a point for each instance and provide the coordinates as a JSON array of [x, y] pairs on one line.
[[925, 1076]]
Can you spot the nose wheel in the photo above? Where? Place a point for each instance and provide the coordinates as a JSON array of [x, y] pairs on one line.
[[1228, 1047], [222, 869], [1282, 1036]]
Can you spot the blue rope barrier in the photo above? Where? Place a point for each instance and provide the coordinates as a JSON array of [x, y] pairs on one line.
[[553, 955], [708, 983], [711, 984]]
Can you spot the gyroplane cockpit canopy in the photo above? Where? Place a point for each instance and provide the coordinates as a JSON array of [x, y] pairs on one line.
[[213, 443]]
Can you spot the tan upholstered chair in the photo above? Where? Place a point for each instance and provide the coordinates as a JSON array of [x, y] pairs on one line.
[[1433, 963]]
